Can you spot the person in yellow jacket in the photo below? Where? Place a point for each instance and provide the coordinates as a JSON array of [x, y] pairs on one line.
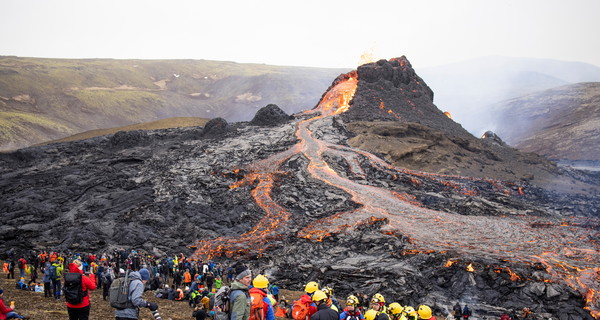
[[56, 270]]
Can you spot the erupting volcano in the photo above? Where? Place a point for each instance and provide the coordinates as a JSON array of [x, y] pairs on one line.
[[568, 251], [373, 190]]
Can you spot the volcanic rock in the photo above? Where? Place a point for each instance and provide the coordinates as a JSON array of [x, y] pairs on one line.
[[392, 91], [271, 115], [215, 127]]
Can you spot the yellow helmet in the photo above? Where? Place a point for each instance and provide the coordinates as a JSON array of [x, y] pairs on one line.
[[311, 287], [352, 301], [377, 298], [424, 312], [410, 310], [260, 282], [328, 291], [319, 295], [370, 314], [395, 308]]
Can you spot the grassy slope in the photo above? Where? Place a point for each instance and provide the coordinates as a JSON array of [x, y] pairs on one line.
[[45, 99], [154, 125]]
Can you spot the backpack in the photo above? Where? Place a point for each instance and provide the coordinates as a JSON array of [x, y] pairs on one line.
[[221, 303], [300, 311], [73, 288], [222, 298], [118, 293], [52, 272], [256, 307]]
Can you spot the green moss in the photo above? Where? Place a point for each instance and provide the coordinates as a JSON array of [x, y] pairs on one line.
[[128, 104], [15, 123]]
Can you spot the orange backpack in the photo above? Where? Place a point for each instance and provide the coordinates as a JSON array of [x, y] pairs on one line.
[[257, 311], [300, 311]]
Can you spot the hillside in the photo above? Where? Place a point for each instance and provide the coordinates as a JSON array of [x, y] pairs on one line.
[[48, 99], [468, 89], [154, 125], [560, 123]]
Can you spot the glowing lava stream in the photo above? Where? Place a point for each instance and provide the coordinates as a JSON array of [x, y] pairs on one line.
[[511, 238]]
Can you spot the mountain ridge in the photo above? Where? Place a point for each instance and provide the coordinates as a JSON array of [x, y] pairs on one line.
[[47, 99]]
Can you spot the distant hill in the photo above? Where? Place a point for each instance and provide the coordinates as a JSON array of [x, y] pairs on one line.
[[47, 99], [168, 123], [561, 123], [468, 89]]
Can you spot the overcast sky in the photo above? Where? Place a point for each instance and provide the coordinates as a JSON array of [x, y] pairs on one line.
[[321, 33]]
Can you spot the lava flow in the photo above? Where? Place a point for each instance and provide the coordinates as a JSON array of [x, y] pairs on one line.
[[501, 237]]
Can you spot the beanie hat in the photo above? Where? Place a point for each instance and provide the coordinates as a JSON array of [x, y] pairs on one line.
[[145, 274], [241, 271]]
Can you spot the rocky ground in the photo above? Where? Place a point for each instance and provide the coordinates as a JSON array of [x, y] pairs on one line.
[[309, 197]]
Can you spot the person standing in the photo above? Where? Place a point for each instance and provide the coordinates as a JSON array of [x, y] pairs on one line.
[[22, 267], [239, 298], [324, 311], [136, 289], [47, 281], [457, 311], [260, 284], [466, 313], [56, 270], [81, 311], [11, 270], [352, 312]]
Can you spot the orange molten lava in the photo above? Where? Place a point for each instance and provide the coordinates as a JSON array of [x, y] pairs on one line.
[[470, 268], [450, 262]]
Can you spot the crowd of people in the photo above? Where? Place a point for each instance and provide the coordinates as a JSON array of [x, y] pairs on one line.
[[211, 290]]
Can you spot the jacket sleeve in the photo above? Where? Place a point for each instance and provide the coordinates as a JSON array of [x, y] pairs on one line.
[[89, 282], [136, 288], [312, 309], [270, 314], [3, 308], [239, 306]]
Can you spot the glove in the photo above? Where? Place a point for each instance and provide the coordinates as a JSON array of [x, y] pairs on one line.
[[152, 306]]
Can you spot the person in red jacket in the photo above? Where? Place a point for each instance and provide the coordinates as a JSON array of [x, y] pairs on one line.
[[8, 312], [81, 311]]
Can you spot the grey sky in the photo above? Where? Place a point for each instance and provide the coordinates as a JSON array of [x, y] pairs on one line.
[[306, 33]]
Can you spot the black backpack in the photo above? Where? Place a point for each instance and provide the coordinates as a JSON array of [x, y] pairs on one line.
[[73, 288]]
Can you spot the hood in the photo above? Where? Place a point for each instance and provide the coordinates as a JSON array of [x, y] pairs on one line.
[[135, 275], [306, 299], [259, 291], [74, 268]]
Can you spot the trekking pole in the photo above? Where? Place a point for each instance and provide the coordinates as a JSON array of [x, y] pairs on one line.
[[156, 315]]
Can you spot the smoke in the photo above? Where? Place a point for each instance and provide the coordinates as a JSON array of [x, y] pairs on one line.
[[471, 90]]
